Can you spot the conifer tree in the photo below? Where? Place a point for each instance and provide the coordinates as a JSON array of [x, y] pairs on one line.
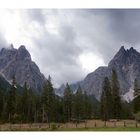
[[78, 105], [106, 100], [1, 103], [67, 103], [136, 88], [136, 101], [25, 103], [48, 102], [87, 107], [11, 103], [116, 96]]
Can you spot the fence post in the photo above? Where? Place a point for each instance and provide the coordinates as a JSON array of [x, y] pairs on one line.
[[49, 124], [95, 124], [136, 124], [124, 124], [104, 123], [10, 126], [114, 123], [76, 124], [30, 125], [20, 125], [85, 124], [40, 126]]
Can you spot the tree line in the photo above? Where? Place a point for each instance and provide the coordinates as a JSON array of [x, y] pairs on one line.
[[47, 107], [110, 99], [112, 106], [29, 107]]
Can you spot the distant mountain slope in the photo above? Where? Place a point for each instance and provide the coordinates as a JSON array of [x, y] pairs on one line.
[[127, 65], [18, 62]]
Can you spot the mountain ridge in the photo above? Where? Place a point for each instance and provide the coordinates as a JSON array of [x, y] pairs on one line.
[[18, 63], [126, 62]]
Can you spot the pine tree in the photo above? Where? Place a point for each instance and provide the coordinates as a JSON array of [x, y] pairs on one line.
[[48, 102], [67, 103], [1, 103], [136, 104], [25, 103], [38, 108], [106, 100], [87, 107], [136, 88], [136, 101], [78, 105], [11, 103], [31, 106], [116, 96]]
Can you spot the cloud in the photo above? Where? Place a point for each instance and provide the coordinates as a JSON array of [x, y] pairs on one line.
[[125, 24], [58, 55], [57, 39], [3, 42], [54, 49]]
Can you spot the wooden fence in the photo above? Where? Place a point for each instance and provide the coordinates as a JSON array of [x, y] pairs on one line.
[[86, 124]]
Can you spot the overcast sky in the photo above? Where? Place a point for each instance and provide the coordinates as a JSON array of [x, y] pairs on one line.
[[68, 44]]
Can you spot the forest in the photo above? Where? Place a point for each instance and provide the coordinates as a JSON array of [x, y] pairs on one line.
[[25, 106]]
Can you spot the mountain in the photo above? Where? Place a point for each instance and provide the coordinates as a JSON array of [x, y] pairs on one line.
[[18, 63], [127, 65]]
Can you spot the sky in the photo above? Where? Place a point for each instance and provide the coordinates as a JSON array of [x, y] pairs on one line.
[[70, 43]]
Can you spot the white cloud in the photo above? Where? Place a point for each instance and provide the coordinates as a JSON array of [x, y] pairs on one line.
[[90, 62]]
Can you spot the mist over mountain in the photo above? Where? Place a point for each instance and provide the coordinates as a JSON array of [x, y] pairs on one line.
[[18, 63], [126, 62]]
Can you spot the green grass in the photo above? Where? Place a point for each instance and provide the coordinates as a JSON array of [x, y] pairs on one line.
[[81, 129], [102, 129]]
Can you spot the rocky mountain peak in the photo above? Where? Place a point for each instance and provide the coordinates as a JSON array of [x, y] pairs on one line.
[[122, 49], [22, 53], [12, 46], [18, 62], [132, 49], [125, 57], [120, 53]]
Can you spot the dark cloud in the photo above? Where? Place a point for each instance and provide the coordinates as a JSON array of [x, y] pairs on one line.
[[59, 55], [125, 24], [107, 29]]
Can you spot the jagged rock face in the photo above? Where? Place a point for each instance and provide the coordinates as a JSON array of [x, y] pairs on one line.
[[127, 65], [93, 81], [18, 62]]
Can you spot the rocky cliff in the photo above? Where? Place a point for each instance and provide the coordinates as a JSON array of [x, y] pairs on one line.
[[18, 63]]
